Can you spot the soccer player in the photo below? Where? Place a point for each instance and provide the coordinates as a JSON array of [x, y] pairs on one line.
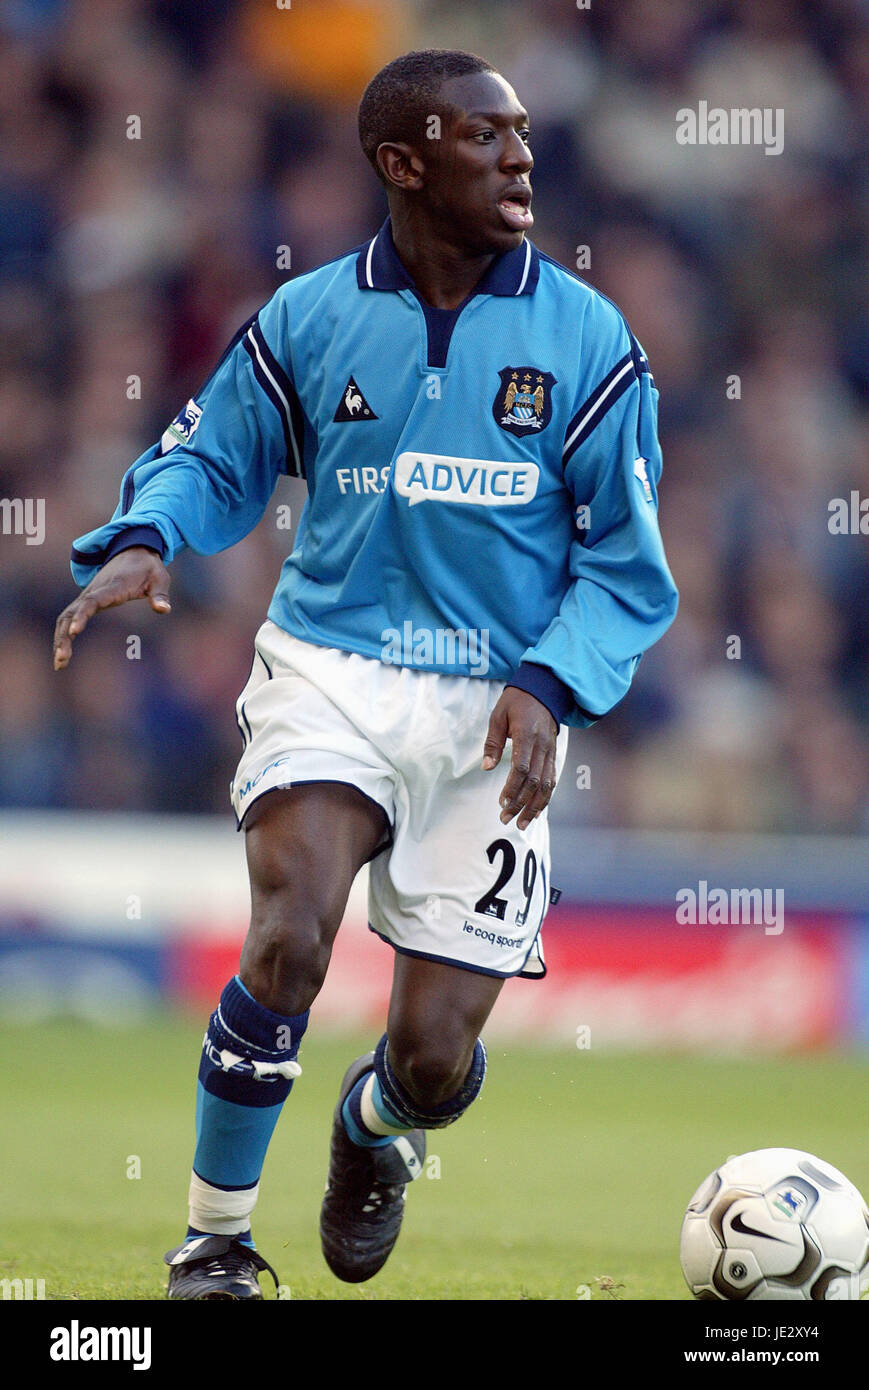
[[478, 563]]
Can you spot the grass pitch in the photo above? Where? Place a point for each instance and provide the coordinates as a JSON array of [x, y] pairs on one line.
[[571, 1172]]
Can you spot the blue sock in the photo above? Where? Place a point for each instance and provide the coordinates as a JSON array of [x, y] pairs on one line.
[[246, 1073], [400, 1103], [366, 1120]]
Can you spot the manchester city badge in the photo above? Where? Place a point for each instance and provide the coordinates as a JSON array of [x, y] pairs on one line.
[[523, 404]]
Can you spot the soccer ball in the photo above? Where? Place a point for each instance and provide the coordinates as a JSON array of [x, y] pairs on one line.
[[776, 1224]]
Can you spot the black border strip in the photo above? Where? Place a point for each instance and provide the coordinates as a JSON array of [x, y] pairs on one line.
[[520, 974], [599, 411], [276, 401], [297, 418]]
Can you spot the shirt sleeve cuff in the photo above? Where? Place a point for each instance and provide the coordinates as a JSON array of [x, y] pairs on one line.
[[135, 535], [546, 687]]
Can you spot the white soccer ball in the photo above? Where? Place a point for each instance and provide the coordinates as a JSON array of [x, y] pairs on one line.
[[776, 1224]]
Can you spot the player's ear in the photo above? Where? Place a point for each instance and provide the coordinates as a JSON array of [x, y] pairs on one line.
[[400, 165]]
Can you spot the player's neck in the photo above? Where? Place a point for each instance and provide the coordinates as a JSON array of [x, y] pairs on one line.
[[443, 273]]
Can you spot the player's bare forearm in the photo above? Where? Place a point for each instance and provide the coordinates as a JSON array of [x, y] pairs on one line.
[[533, 732], [135, 573]]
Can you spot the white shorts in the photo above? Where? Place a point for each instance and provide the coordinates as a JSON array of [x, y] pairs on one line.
[[452, 883]]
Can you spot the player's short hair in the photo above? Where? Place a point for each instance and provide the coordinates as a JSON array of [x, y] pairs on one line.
[[399, 99]]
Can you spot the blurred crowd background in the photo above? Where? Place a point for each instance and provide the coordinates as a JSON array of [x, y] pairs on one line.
[[743, 274]]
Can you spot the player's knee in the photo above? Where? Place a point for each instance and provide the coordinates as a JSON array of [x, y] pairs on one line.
[[287, 951], [280, 978], [429, 1072]]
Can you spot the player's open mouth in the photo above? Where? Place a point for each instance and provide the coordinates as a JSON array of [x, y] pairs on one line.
[[516, 212]]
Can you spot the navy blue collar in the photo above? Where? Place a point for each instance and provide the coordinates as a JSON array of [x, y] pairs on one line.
[[378, 268]]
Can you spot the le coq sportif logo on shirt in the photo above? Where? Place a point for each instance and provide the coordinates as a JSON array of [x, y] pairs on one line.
[[445, 478]]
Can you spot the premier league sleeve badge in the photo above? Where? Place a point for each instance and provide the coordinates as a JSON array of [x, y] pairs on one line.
[[182, 428]]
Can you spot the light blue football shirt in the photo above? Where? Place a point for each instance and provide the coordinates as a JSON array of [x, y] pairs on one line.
[[482, 482]]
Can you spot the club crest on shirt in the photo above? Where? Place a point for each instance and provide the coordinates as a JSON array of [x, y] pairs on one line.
[[523, 403], [182, 428]]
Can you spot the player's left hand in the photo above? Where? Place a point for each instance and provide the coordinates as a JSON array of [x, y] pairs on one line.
[[533, 732]]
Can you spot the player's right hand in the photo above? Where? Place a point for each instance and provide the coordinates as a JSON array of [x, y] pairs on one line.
[[135, 573]]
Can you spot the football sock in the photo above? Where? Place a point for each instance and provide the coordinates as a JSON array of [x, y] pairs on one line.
[[246, 1073], [378, 1109], [367, 1118], [405, 1108]]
